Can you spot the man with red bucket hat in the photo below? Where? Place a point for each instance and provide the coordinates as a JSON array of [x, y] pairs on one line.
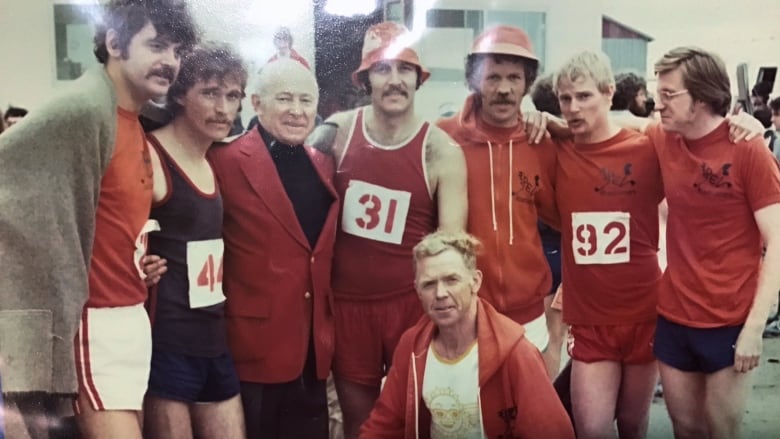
[[509, 180], [399, 179]]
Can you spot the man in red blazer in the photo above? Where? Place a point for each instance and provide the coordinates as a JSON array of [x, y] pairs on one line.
[[279, 227]]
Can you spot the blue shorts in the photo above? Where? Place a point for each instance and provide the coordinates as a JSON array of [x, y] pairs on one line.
[[191, 379], [706, 350], [553, 254]]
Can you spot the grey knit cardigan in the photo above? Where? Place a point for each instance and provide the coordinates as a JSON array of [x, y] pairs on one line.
[[51, 165]]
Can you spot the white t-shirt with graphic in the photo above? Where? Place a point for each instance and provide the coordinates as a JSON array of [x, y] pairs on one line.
[[451, 393]]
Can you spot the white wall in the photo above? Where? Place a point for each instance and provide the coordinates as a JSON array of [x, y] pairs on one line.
[[28, 62], [571, 26], [26, 52]]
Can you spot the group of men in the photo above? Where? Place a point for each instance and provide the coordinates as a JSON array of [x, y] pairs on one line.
[[284, 254]]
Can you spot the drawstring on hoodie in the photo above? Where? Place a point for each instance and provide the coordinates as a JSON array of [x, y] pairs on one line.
[[493, 191], [416, 398], [511, 229], [492, 187]]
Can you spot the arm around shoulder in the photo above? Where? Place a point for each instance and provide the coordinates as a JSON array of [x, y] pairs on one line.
[[330, 136]]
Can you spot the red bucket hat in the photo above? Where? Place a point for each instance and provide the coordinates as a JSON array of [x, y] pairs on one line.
[[506, 40], [388, 41]]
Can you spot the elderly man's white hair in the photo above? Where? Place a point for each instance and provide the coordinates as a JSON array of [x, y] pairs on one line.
[[283, 71]]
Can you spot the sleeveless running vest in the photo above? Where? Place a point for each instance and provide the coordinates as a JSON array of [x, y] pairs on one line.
[[187, 307], [386, 210]]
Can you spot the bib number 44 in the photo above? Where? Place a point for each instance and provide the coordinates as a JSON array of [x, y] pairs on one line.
[[601, 237], [204, 271]]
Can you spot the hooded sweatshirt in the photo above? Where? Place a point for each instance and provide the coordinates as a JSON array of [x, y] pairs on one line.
[[509, 188], [516, 398]]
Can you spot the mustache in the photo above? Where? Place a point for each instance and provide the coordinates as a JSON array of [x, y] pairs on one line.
[[219, 121], [395, 89], [166, 72], [501, 101]]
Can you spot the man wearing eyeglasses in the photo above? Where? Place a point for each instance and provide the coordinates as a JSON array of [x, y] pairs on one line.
[[724, 202]]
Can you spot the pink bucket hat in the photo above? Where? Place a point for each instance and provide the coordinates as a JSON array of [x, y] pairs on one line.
[[506, 40], [388, 41]]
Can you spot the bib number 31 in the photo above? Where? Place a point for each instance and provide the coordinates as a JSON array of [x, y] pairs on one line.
[[204, 271], [601, 237], [375, 212]]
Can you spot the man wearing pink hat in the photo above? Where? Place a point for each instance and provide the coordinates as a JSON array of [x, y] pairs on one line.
[[508, 179], [399, 179]]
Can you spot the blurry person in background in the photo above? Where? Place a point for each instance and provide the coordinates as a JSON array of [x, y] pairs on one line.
[[13, 115], [283, 42], [630, 94]]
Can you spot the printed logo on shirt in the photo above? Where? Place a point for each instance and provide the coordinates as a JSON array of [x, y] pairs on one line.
[[617, 183], [451, 418], [714, 182], [526, 192]]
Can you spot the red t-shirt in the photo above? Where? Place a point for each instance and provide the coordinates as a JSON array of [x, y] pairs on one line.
[[608, 195], [123, 209], [714, 247]]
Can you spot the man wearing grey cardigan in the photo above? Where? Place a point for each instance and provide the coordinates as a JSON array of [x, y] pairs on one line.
[[53, 164]]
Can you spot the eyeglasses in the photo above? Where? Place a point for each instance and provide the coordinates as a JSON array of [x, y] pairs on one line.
[[666, 96]]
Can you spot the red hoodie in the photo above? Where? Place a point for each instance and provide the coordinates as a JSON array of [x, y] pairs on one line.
[[516, 397], [509, 188]]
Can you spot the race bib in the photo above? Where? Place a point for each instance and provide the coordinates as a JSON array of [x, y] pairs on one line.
[[601, 237], [142, 243], [204, 272], [375, 212]]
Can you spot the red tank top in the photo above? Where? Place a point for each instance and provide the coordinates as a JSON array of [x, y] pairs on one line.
[[122, 212], [386, 209]]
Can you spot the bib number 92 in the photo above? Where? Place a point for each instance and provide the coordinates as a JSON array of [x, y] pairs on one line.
[[601, 237]]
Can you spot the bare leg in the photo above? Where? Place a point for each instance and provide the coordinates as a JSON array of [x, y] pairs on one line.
[[636, 395], [117, 424], [726, 393], [219, 420], [594, 392], [684, 393], [557, 330], [356, 400], [166, 418]]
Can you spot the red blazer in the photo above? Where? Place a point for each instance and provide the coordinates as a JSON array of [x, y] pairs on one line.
[[274, 282]]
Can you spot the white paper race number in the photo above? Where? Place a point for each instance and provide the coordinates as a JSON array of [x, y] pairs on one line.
[[601, 237], [204, 271], [375, 212], [142, 243]]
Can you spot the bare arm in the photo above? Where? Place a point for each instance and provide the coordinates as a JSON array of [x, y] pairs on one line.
[[743, 126], [538, 123], [631, 122], [663, 215], [323, 137], [447, 178], [330, 137], [749, 343], [160, 186]]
